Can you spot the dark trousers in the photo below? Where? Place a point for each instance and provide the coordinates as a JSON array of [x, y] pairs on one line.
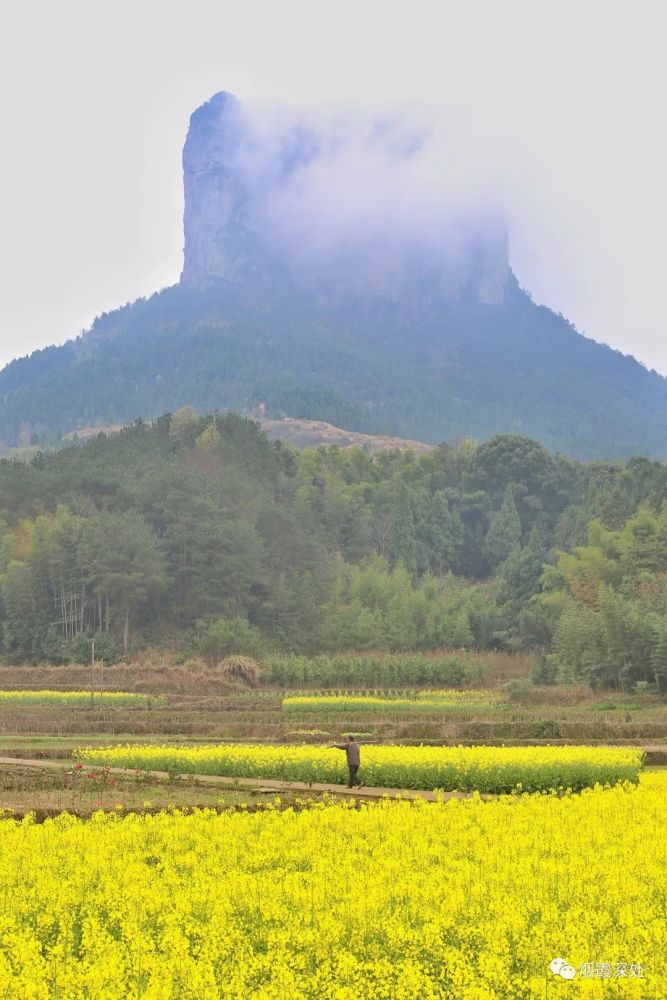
[[353, 768]]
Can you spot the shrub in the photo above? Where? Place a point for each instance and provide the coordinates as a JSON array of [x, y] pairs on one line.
[[79, 649], [545, 669], [521, 691], [223, 637], [644, 687]]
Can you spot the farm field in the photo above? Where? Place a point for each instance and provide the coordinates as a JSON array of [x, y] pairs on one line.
[[198, 704], [393, 702], [175, 888], [51, 697], [464, 900], [484, 769], [49, 791]]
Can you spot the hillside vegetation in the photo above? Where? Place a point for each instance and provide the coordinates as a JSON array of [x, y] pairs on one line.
[[201, 534], [455, 369]]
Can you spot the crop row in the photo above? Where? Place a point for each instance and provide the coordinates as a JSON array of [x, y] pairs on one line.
[[401, 693], [485, 769], [393, 702], [375, 671], [74, 698]]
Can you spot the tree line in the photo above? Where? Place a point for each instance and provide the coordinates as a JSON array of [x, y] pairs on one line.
[[198, 533]]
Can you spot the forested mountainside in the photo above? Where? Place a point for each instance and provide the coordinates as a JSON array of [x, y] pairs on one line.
[[461, 369], [377, 321], [200, 534]]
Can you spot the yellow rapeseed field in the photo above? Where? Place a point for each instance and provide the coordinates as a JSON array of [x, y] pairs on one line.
[[464, 900], [395, 702], [483, 769]]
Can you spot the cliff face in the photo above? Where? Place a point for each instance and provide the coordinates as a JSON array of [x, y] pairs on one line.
[[214, 196], [220, 237], [254, 210]]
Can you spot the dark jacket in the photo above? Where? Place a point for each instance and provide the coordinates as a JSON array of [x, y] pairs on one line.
[[351, 752]]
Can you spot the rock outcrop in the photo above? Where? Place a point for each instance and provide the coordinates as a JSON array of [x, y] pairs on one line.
[[254, 212]]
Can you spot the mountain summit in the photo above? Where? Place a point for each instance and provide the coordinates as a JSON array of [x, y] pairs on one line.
[[350, 268], [264, 195]]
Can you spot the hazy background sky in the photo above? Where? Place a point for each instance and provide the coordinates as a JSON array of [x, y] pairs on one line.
[[95, 99]]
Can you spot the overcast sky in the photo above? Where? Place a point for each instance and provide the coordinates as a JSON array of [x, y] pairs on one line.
[[95, 99]]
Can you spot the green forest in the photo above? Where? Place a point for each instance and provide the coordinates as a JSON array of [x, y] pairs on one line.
[[428, 372], [197, 534]]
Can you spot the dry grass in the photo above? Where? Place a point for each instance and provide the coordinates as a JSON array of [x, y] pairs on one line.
[[241, 669], [192, 678], [160, 673], [502, 667]]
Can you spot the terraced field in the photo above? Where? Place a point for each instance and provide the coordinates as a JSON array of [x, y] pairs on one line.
[[253, 897], [269, 715]]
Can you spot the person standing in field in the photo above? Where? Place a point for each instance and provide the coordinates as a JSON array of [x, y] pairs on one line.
[[353, 755]]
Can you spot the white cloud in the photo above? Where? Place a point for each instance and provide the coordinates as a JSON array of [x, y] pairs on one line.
[[95, 101]]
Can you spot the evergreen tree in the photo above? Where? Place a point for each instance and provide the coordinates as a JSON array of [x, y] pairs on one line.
[[658, 657], [504, 533], [124, 565]]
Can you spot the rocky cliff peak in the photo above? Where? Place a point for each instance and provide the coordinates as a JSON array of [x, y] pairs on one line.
[[331, 205]]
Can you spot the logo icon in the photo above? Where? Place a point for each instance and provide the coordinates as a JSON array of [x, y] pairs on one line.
[[561, 967]]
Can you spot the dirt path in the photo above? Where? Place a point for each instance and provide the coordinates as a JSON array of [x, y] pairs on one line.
[[258, 784]]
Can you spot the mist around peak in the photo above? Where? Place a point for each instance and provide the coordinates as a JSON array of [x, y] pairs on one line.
[[372, 199]]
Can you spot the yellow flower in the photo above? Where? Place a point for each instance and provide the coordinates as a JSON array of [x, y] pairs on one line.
[[485, 769], [458, 900]]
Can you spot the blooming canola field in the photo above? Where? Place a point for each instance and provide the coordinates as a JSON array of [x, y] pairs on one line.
[[461, 900], [427, 702], [483, 769]]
